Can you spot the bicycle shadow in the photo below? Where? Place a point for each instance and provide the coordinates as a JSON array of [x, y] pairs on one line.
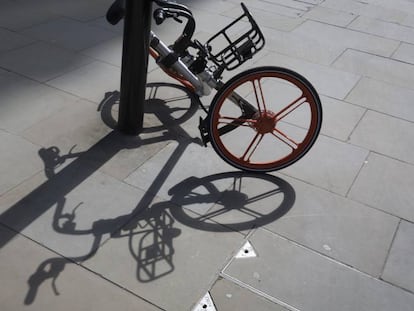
[[151, 226]]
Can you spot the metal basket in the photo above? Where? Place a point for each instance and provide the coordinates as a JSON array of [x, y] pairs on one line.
[[241, 46]]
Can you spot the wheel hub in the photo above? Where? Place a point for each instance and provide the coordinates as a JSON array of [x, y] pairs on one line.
[[265, 122]]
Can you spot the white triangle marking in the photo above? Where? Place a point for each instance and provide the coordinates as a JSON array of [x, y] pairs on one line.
[[205, 304], [247, 251]]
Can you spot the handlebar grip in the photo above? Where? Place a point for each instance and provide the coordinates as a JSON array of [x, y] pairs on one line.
[[171, 5], [116, 12], [159, 16]]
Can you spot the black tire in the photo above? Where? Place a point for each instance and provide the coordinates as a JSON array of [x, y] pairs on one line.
[[263, 127]]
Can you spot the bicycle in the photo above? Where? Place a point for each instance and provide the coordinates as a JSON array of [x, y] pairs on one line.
[[245, 128]]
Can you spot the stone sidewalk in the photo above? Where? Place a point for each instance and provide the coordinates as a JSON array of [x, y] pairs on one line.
[[94, 220]]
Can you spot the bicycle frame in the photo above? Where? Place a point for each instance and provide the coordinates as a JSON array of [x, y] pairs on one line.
[[183, 74]]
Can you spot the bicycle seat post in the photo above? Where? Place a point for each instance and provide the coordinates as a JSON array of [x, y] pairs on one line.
[[137, 26]]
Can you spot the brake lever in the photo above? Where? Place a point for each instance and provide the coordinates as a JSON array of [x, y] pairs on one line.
[[178, 20]]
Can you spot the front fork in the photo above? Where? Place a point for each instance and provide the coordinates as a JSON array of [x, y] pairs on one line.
[[247, 112]]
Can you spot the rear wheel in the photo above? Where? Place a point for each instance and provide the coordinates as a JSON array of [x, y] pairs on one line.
[[264, 119]]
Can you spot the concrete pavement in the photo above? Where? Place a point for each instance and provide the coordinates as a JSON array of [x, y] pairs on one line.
[[91, 219]]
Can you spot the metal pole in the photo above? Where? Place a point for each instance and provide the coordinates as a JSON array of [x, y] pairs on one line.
[[137, 26]]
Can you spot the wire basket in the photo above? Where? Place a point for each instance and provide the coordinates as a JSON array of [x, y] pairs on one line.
[[240, 44]]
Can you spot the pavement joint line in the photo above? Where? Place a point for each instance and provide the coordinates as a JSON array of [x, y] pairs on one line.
[[381, 36], [23, 181], [354, 86], [357, 31], [383, 57], [389, 250], [353, 20], [395, 51], [337, 58], [371, 109], [48, 85], [257, 292], [333, 260], [365, 162], [356, 126], [380, 210], [119, 286], [382, 154], [232, 258]]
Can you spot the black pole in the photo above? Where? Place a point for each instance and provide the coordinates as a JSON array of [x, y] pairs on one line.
[[137, 25]]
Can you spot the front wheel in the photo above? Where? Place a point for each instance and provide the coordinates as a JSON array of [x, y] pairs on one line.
[[264, 119]]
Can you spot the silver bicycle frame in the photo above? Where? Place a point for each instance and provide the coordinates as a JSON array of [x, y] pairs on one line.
[[203, 82]]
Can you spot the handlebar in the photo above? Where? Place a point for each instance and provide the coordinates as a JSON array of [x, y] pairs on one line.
[[173, 10], [167, 10], [171, 5]]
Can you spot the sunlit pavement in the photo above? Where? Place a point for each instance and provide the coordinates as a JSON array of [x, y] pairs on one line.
[[92, 219]]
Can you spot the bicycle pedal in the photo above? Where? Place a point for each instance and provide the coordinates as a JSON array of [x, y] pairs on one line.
[[203, 131]]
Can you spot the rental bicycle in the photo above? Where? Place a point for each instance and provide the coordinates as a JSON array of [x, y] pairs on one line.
[[263, 119]]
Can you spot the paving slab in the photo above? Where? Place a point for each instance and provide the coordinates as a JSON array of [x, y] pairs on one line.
[[404, 5], [80, 10], [405, 53], [16, 194], [163, 260], [48, 281], [308, 281], [90, 82], [327, 81], [103, 23], [78, 35], [42, 61], [109, 51], [77, 127], [379, 68], [339, 118], [214, 6], [300, 46], [330, 16], [383, 29], [372, 135], [17, 16], [288, 8], [330, 164], [368, 8], [398, 268], [267, 19], [25, 102], [11, 40], [340, 228], [349, 39], [386, 184], [18, 160], [228, 296], [383, 97], [408, 20], [170, 31]]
